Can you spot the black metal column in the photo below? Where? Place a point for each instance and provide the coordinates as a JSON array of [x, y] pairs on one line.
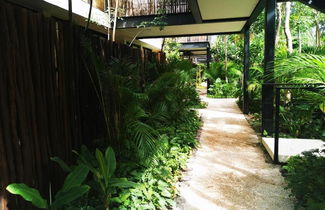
[[267, 90], [246, 71], [208, 68], [277, 125]]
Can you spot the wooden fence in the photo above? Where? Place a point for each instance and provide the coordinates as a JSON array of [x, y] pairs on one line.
[[47, 103]]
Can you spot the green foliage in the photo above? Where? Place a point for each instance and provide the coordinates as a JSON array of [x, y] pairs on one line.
[[301, 113], [301, 69], [228, 46], [306, 179], [221, 89], [225, 81], [149, 124], [171, 49], [155, 188], [135, 103], [29, 194], [71, 190], [103, 167]]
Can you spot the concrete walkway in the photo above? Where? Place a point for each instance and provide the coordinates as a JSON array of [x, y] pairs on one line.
[[229, 170]]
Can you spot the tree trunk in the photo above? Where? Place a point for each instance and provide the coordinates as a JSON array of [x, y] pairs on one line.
[[115, 19], [109, 18], [318, 35], [225, 40], [318, 29], [299, 40], [279, 8], [287, 27]]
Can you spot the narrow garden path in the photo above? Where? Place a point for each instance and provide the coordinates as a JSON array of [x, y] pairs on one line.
[[230, 169]]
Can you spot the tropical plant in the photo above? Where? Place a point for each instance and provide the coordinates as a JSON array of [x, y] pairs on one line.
[[225, 80], [71, 190], [301, 105], [103, 167], [301, 69], [142, 111], [219, 70], [155, 183], [172, 50], [306, 179]]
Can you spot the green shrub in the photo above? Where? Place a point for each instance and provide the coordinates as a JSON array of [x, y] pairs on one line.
[[155, 183], [221, 89], [305, 176]]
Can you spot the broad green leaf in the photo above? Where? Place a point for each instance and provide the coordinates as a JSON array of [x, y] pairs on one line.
[[322, 107], [111, 161], [124, 196], [166, 193], [121, 183], [29, 194], [61, 163], [65, 197], [102, 165], [80, 208], [76, 177], [87, 158]]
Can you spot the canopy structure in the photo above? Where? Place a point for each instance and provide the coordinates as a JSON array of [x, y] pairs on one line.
[[204, 17], [196, 50]]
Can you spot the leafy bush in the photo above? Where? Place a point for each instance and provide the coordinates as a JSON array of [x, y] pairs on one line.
[[301, 112], [225, 82], [305, 176], [221, 89], [103, 167], [155, 183]]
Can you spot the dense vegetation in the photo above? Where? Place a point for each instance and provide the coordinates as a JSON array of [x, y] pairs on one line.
[[224, 79], [149, 125], [299, 59], [306, 179], [150, 128]]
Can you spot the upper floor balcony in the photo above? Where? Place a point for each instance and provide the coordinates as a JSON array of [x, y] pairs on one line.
[[190, 39], [129, 8]]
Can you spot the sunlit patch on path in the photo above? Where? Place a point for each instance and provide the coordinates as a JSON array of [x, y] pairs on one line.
[[229, 170]]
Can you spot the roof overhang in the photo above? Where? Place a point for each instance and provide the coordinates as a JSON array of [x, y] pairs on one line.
[[206, 18], [194, 48], [316, 4]]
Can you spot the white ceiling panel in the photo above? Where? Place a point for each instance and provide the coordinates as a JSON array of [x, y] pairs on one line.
[[221, 9], [178, 30]]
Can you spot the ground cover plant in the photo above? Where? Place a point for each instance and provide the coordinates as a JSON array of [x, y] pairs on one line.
[[155, 189]]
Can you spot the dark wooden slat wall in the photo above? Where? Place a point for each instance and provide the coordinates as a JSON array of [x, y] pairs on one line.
[[43, 103]]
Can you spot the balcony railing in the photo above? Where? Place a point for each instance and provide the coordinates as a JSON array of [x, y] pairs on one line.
[[192, 39], [144, 7]]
